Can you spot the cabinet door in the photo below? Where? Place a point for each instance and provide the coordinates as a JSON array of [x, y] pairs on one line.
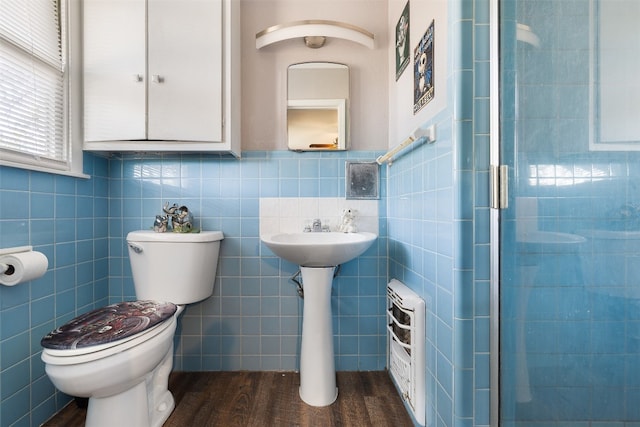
[[114, 69], [185, 70]]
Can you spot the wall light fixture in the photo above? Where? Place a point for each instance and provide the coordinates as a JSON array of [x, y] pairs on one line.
[[314, 33]]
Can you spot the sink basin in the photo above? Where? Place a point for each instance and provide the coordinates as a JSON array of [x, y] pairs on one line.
[[612, 234], [550, 238], [319, 249]]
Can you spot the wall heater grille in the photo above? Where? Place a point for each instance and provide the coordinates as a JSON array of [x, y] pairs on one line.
[[406, 356]]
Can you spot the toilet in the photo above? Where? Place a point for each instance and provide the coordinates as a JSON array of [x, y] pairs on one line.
[[120, 356]]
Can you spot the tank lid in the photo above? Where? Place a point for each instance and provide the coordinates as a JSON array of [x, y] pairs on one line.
[[152, 236]]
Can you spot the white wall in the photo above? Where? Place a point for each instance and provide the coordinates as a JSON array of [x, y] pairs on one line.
[[264, 75], [402, 121]]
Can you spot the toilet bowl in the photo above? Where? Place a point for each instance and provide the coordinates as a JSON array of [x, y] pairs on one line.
[[125, 380], [120, 356]]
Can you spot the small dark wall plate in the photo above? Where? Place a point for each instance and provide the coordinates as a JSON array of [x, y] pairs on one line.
[[362, 180]]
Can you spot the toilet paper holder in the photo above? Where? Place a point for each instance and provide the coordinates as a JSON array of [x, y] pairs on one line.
[[21, 264], [5, 268]]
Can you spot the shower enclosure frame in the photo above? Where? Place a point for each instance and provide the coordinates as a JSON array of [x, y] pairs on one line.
[[583, 323], [494, 157]]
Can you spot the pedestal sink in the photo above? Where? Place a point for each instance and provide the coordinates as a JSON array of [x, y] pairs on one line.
[[535, 243], [318, 254]]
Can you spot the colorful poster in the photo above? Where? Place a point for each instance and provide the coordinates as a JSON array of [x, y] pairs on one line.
[[423, 84], [402, 42]]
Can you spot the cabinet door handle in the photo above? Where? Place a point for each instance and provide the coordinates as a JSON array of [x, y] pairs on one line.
[[156, 78], [138, 77]]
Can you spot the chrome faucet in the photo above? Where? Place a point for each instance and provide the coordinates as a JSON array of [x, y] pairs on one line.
[[316, 226]]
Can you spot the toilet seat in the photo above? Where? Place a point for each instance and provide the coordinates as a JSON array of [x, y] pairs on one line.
[[107, 331]]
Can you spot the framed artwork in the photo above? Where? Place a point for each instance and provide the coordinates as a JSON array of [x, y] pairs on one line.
[[402, 42], [423, 83]]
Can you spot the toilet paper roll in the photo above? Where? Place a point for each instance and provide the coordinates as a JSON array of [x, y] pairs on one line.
[[22, 267]]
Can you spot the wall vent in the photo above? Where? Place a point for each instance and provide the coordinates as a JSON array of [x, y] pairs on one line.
[[406, 350]]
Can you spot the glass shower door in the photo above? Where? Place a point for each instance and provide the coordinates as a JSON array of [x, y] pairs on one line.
[[570, 238]]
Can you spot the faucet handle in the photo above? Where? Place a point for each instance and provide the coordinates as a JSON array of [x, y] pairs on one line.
[[316, 225]]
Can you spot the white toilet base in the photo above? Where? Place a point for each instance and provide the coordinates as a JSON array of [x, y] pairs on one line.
[[147, 404]]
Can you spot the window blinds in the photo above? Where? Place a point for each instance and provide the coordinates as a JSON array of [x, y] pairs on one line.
[[32, 111]]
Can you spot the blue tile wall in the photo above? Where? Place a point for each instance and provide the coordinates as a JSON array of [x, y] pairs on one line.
[[64, 218], [438, 219], [253, 321]]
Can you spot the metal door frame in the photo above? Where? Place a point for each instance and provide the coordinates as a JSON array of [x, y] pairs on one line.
[[494, 157]]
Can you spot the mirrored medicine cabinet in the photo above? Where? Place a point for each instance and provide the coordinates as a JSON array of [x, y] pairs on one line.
[[317, 106], [615, 89]]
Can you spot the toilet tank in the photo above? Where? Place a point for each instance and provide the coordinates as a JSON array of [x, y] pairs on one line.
[[174, 267]]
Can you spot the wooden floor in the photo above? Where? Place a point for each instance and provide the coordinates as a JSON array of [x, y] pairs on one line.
[[270, 399]]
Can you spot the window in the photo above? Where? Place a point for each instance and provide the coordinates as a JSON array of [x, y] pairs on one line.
[[34, 85]]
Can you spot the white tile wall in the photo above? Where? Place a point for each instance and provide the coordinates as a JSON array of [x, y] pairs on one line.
[[291, 214]]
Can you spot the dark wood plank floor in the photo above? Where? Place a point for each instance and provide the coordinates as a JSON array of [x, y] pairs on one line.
[[270, 399]]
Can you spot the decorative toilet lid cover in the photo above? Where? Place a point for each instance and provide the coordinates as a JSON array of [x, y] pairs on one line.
[[107, 324]]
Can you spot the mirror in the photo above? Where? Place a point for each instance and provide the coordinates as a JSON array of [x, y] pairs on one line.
[[317, 106], [615, 88]]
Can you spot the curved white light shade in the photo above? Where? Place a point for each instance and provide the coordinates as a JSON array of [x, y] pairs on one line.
[[320, 28]]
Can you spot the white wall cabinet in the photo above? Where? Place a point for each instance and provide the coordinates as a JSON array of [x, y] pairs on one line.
[[162, 75]]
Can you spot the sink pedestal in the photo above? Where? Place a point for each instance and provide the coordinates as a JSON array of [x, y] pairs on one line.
[[317, 367]]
